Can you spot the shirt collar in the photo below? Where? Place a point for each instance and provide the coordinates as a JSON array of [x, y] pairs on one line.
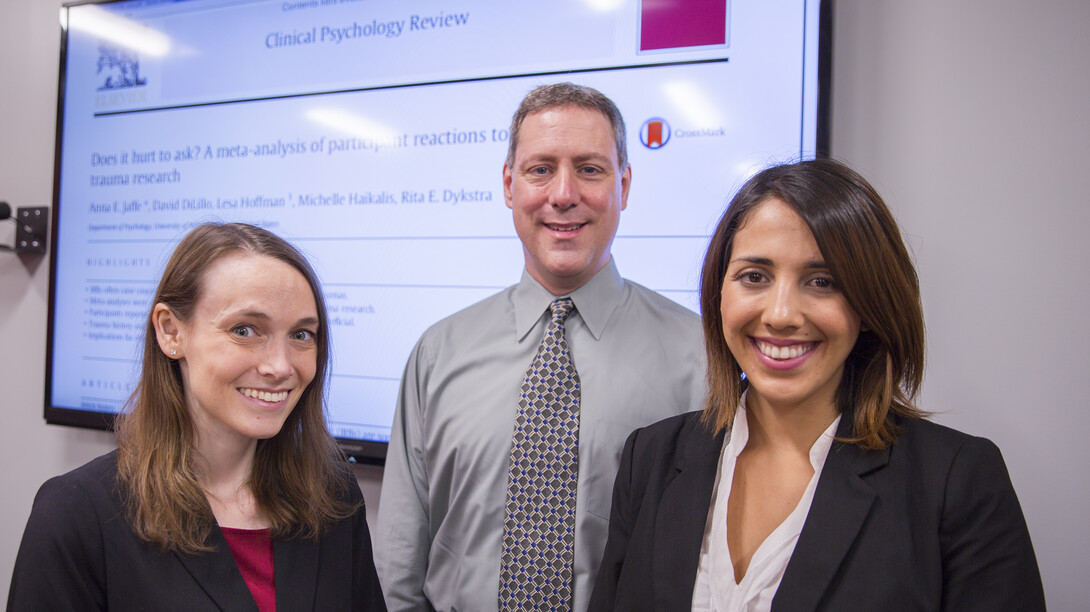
[[739, 430], [595, 301]]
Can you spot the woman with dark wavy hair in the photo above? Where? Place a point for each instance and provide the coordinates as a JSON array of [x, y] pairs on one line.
[[811, 481], [227, 491]]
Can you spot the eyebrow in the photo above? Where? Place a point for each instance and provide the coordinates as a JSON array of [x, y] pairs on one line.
[[598, 157], [250, 314], [578, 159], [257, 314], [815, 264]]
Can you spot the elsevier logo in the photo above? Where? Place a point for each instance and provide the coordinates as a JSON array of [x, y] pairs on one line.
[[121, 68]]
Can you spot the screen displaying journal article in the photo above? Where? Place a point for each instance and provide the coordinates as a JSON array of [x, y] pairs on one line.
[[372, 134]]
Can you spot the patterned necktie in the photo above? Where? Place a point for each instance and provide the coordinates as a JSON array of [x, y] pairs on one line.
[[539, 527]]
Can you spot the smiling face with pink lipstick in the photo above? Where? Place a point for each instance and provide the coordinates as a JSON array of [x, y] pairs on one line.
[[784, 317], [248, 351], [807, 288]]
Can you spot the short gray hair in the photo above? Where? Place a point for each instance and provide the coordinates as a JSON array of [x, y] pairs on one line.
[[569, 94]]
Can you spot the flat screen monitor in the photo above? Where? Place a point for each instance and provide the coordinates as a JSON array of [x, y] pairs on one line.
[[371, 134]]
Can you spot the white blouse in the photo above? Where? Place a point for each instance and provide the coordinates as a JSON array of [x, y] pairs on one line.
[[715, 589]]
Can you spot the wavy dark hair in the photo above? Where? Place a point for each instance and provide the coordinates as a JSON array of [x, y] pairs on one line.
[[862, 245], [298, 475]]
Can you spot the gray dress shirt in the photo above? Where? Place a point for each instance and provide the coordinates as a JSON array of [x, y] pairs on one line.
[[640, 358]]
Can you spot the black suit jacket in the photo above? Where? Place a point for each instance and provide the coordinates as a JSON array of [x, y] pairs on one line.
[[930, 523], [78, 553]]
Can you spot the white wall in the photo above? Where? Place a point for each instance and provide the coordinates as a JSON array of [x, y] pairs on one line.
[[966, 114], [971, 117]]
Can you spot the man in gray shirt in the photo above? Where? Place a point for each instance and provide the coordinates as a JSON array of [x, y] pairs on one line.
[[639, 358]]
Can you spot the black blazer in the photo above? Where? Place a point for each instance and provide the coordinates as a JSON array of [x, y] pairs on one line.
[[78, 553], [930, 523]]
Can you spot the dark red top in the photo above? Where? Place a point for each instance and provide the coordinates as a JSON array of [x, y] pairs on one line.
[[253, 552]]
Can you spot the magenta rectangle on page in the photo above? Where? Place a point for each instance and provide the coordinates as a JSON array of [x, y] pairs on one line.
[[668, 24]]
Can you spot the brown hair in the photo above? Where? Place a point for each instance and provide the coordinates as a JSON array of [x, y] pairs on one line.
[[298, 474], [569, 94], [862, 246]]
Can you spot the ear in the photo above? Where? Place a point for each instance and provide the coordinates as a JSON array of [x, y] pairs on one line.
[[626, 182], [168, 331], [507, 179]]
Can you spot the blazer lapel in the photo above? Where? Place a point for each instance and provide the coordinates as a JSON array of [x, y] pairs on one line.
[[217, 574], [295, 565], [682, 516], [841, 504]]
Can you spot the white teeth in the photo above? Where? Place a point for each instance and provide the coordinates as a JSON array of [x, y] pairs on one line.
[[570, 228], [265, 396], [785, 352]]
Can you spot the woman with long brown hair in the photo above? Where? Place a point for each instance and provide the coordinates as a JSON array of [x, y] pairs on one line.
[[811, 481], [227, 491]]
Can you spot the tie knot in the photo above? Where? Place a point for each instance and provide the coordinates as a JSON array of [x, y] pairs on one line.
[[561, 308]]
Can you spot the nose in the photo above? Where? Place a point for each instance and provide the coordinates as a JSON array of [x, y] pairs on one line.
[[564, 189], [276, 361], [784, 307]]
